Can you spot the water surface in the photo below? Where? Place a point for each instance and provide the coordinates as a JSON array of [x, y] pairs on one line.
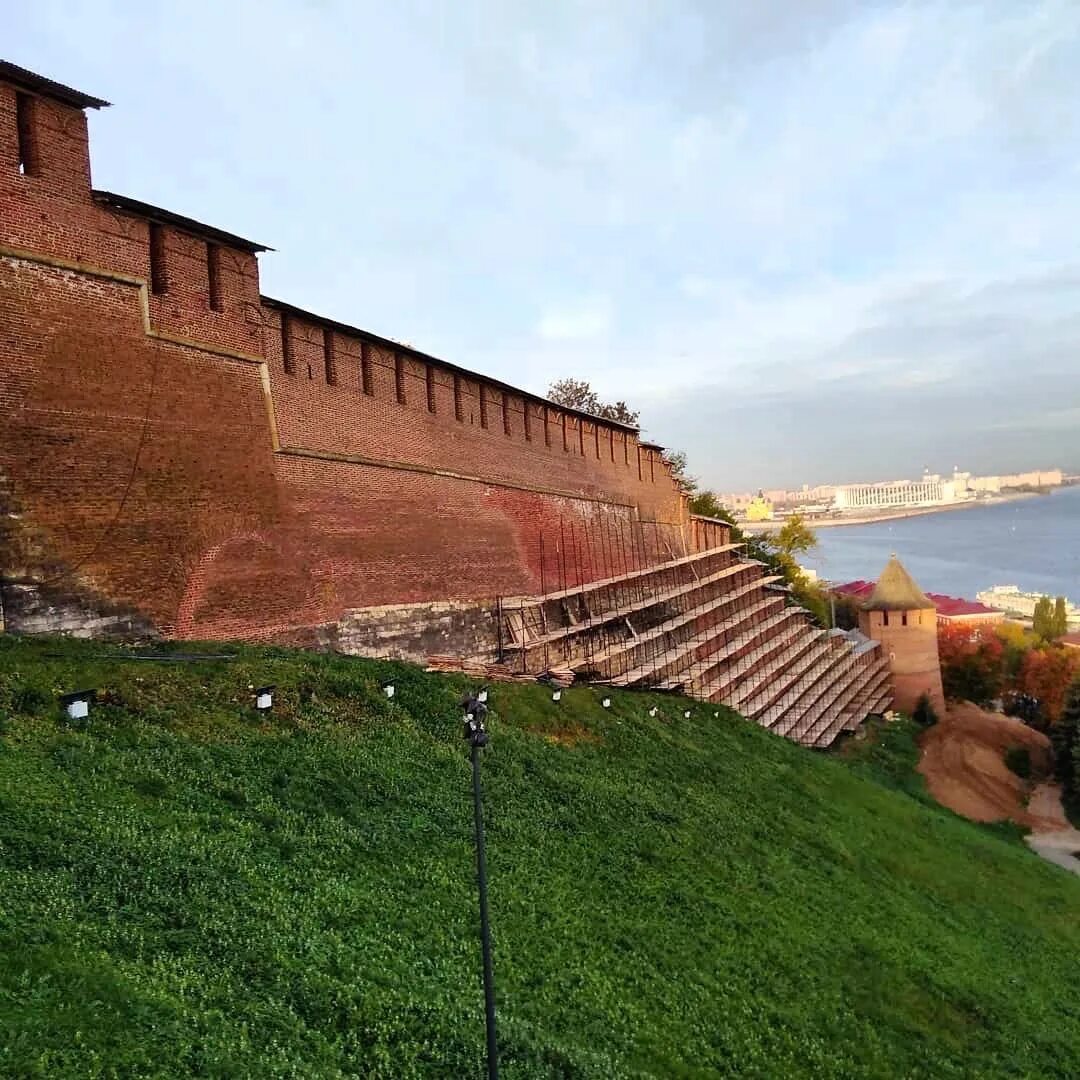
[[1033, 543]]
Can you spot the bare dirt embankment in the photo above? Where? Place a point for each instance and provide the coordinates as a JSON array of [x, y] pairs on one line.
[[963, 760]]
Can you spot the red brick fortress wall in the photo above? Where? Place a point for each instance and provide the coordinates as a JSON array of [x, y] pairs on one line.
[[179, 453]]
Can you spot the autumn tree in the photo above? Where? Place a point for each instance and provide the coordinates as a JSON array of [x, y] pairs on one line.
[[1017, 641], [972, 667], [1045, 674]]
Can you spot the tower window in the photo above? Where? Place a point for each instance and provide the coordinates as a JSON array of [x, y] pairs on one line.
[[884, 618], [159, 280], [526, 420], [213, 276], [399, 378], [365, 370], [506, 414], [329, 356], [24, 128], [483, 406], [430, 377], [286, 346], [459, 408], [903, 619]]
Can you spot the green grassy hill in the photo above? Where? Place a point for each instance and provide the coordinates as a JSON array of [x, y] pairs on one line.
[[187, 888]]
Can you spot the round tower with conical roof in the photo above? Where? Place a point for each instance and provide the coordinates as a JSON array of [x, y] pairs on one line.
[[903, 618]]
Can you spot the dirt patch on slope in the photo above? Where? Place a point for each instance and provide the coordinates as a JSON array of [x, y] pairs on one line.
[[963, 760], [571, 736]]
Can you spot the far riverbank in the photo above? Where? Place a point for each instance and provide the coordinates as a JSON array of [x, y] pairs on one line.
[[888, 515]]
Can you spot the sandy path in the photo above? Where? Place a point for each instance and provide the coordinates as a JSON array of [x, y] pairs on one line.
[[963, 760]]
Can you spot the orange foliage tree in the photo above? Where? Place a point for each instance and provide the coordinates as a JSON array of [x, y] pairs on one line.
[[972, 663], [979, 664], [1046, 674]]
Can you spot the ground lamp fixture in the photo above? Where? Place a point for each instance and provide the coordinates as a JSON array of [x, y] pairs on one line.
[[77, 703], [606, 703], [264, 698], [388, 689], [653, 711], [686, 714], [556, 695], [476, 735]]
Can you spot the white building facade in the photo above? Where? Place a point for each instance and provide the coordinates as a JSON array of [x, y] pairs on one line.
[[929, 491]]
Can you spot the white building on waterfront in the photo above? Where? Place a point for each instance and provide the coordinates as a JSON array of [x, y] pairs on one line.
[[929, 491], [1014, 602]]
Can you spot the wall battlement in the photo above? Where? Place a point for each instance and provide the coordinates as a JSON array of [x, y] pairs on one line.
[[213, 462]]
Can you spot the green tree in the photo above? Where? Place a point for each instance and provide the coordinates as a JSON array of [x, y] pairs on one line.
[[578, 394], [795, 537], [706, 504], [779, 551], [1043, 620], [847, 611], [1065, 737], [1059, 621], [676, 460]]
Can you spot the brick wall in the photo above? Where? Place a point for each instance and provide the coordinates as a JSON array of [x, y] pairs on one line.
[[181, 453]]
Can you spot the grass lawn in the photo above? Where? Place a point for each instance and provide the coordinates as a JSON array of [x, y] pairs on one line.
[[190, 888]]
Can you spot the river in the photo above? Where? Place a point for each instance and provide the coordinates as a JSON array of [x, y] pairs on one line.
[[1033, 543]]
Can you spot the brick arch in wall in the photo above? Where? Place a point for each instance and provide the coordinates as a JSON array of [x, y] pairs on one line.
[[250, 584]]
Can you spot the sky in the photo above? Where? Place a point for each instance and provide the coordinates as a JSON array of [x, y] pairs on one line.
[[813, 241]]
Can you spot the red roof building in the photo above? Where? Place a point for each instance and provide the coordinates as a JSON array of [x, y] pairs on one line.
[[950, 609]]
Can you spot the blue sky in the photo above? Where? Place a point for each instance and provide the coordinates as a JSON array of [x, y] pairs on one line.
[[812, 240]]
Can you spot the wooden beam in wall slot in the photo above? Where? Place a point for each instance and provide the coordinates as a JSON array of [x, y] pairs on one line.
[[515, 623]]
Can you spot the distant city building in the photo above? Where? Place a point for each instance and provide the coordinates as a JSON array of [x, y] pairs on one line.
[[759, 508], [1011, 600], [931, 490]]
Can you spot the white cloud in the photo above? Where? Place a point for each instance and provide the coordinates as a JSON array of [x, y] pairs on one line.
[[579, 321]]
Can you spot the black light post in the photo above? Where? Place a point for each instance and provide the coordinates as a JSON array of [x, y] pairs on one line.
[[477, 736]]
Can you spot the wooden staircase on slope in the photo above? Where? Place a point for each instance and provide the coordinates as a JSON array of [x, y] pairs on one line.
[[714, 625]]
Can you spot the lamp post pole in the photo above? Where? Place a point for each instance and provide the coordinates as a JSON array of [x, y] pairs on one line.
[[477, 736]]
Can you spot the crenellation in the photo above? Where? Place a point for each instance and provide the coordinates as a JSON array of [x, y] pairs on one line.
[[221, 462]]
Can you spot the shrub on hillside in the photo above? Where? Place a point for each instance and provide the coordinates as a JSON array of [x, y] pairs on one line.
[[1065, 738], [925, 715], [1018, 760], [1026, 708]]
